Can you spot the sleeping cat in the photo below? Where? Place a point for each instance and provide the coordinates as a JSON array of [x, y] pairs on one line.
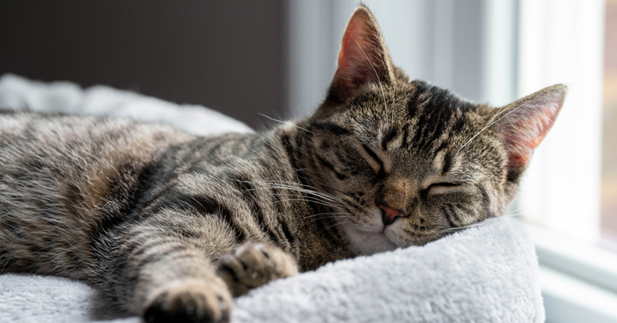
[[171, 226]]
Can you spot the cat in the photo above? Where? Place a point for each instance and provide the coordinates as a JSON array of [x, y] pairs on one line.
[[171, 226]]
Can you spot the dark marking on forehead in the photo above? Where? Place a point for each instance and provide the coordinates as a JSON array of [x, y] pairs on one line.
[[436, 115], [459, 124], [412, 107], [331, 127], [389, 134], [371, 153], [447, 163], [405, 135], [415, 100]]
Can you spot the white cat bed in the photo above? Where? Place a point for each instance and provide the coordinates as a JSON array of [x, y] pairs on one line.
[[484, 274]]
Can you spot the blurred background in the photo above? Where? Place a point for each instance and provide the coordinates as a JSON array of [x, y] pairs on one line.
[[227, 55], [276, 57]]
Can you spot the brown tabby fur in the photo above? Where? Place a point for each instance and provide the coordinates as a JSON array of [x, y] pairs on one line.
[[170, 226]]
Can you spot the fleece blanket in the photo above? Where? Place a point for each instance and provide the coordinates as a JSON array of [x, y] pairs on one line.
[[488, 273], [18, 93]]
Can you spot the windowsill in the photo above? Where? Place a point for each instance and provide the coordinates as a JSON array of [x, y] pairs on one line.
[[568, 299], [578, 279]]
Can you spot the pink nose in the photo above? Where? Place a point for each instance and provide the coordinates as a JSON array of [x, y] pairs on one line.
[[389, 214]]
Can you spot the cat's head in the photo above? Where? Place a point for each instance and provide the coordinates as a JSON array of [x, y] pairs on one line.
[[406, 162]]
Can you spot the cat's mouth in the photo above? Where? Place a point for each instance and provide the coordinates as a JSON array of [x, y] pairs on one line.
[[368, 243], [369, 235], [370, 240]]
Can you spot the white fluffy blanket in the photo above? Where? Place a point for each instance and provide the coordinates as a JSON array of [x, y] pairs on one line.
[[18, 93], [484, 274]]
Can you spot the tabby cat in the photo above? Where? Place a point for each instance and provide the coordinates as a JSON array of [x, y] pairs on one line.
[[171, 226]]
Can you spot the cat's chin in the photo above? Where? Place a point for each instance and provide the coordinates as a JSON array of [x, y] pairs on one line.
[[368, 243]]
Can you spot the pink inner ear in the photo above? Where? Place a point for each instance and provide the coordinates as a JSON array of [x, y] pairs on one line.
[[356, 51], [361, 59], [528, 125]]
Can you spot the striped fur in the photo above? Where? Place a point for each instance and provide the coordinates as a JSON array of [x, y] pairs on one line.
[[171, 226]]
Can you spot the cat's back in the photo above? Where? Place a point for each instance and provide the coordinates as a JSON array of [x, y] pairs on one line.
[[55, 146], [60, 173]]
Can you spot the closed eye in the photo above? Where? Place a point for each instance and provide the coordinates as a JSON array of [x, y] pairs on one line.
[[375, 161], [443, 188]]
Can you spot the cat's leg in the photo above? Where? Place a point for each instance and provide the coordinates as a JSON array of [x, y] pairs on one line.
[[183, 287], [255, 264], [163, 275]]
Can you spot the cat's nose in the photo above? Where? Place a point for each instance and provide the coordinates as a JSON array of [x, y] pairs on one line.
[[388, 214]]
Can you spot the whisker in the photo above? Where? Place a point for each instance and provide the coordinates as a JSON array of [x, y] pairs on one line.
[[488, 126], [314, 193], [302, 186], [393, 98], [283, 185], [314, 215], [289, 123], [477, 224], [308, 186], [321, 182], [329, 227], [335, 217], [308, 200], [314, 197]]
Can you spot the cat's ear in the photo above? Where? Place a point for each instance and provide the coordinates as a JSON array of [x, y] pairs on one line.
[[525, 122], [363, 57]]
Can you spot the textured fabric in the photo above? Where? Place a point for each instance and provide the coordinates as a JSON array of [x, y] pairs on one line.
[[484, 274], [18, 93]]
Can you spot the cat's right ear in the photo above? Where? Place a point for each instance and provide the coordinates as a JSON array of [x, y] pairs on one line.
[[363, 57], [524, 123]]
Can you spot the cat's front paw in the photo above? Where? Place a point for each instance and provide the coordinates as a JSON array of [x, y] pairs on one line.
[[189, 301], [254, 264]]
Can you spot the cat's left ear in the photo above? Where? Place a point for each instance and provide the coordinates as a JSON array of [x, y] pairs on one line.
[[524, 124], [363, 57]]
